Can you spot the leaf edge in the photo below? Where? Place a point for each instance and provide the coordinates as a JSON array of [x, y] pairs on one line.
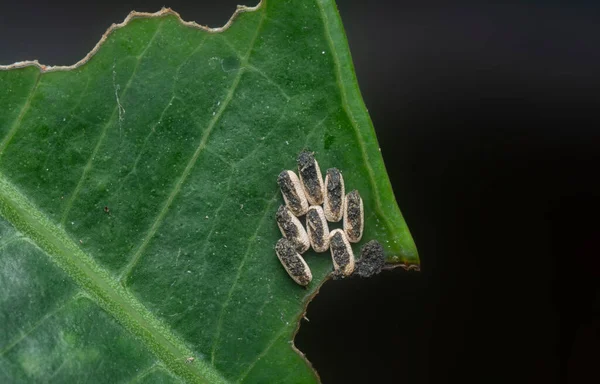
[[164, 11]]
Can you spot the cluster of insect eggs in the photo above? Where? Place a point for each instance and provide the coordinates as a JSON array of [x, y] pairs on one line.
[[304, 196]]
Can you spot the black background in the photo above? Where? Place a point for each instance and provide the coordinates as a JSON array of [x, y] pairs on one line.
[[487, 117]]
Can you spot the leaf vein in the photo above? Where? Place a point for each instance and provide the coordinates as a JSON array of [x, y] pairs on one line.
[[72, 117], [141, 375], [263, 139], [165, 109], [88, 165], [37, 324], [269, 80], [9, 241], [237, 277], [207, 240], [244, 258], [144, 144], [181, 180], [269, 345], [17, 124]]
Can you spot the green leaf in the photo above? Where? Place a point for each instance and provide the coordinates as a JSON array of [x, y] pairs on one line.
[[138, 192]]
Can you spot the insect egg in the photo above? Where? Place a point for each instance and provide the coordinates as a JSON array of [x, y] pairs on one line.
[[353, 216], [341, 252], [293, 263], [292, 229], [292, 192], [333, 201], [310, 175], [372, 259], [317, 228]]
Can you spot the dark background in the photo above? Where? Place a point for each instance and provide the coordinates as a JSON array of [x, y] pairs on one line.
[[488, 119]]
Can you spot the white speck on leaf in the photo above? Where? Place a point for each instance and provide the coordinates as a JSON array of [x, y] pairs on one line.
[[120, 107]]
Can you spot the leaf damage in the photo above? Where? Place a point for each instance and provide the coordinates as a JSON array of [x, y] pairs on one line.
[[132, 16]]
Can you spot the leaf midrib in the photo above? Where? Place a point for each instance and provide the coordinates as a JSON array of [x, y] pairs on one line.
[[102, 288]]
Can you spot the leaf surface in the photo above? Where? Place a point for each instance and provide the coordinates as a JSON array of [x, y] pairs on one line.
[[138, 192]]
